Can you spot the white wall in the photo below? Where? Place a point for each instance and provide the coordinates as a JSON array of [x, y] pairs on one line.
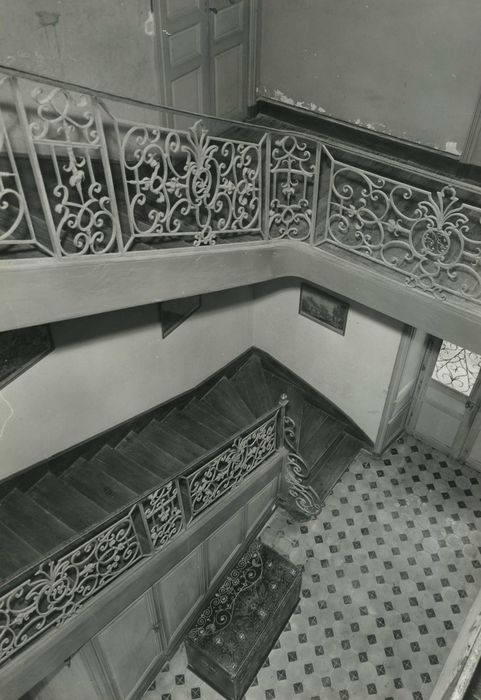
[[110, 367], [353, 371], [411, 69]]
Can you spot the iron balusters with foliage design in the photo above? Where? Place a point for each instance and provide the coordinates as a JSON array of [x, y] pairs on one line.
[[73, 176], [190, 184], [59, 588], [163, 514], [230, 466], [432, 238]]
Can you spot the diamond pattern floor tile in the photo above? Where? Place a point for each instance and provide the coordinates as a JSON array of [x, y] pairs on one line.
[[391, 568]]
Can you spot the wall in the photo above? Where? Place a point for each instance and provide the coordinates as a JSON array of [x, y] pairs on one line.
[[409, 69], [104, 44], [110, 367], [353, 371]]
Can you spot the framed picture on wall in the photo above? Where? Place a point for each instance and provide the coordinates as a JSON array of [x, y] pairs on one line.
[[176, 311], [323, 308], [22, 348]]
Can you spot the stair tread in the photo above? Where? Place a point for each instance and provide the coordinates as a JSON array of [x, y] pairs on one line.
[[324, 478], [91, 480], [328, 432], [15, 554], [312, 419], [170, 441], [66, 503], [197, 432], [149, 456], [209, 416], [36, 526], [251, 384], [121, 468], [226, 400]]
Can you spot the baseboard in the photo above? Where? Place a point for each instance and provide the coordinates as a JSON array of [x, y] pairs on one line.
[[330, 128]]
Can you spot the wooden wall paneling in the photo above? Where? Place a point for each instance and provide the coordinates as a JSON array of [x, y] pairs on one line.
[[223, 545], [80, 677], [130, 645], [179, 592], [260, 504]]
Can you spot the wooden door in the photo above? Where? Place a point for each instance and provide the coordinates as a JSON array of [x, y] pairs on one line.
[[402, 386], [130, 646], [446, 411], [183, 42], [203, 56], [228, 53]]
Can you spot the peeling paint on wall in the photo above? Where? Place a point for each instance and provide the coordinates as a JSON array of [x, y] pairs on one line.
[[452, 147], [149, 26]]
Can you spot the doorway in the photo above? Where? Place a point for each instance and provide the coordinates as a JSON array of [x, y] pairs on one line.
[[446, 407], [206, 55]]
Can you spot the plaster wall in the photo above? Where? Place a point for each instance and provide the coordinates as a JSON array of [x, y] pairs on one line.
[[107, 368], [102, 44], [409, 69], [353, 371]]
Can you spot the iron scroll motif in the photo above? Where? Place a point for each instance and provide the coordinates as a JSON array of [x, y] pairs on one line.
[[432, 238], [190, 184], [163, 514], [223, 472], [78, 197], [305, 499], [59, 588], [218, 614], [292, 170]]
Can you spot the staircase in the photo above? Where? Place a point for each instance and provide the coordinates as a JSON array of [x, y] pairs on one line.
[[68, 499]]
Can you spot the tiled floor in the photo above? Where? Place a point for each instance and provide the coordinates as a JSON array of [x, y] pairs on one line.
[[391, 567]]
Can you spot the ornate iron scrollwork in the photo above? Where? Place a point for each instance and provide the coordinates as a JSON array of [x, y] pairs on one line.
[[231, 466], [59, 588], [432, 238], [163, 514], [305, 500], [190, 184]]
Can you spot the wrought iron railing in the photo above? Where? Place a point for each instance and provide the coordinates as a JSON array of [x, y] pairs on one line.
[[50, 593], [78, 178]]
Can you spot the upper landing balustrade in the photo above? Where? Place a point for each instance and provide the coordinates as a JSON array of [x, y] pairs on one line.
[[84, 174]]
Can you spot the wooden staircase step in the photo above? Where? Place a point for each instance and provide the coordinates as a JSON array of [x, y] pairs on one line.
[[197, 432], [328, 472], [312, 419], [251, 384], [324, 437], [170, 441], [224, 398], [208, 416], [67, 504], [149, 456], [15, 554], [37, 527], [101, 488], [130, 474]]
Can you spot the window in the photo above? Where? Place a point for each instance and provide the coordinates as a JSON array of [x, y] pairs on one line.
[[457, 368]]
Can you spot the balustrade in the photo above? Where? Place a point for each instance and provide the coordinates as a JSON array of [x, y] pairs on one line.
[[97, 184]]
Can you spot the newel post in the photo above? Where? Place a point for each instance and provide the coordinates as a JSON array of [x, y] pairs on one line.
[[281, 426]]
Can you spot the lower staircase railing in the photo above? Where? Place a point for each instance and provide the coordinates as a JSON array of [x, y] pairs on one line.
[[58, 588], [78, 179]]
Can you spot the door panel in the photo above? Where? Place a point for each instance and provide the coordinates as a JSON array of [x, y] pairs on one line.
[[259, 503], [183, 40], [179, 591], [474, 453], [78, 679], [130, 645], [228, 88], [229, 37]]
